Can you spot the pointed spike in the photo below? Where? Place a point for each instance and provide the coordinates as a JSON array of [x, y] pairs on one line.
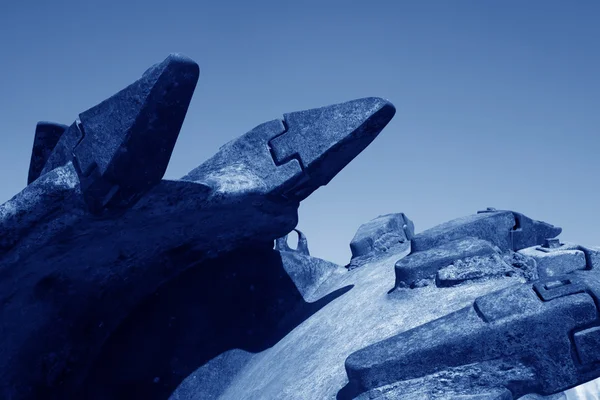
[[47, 135], [63, 151], [128, 139], [324, 140]]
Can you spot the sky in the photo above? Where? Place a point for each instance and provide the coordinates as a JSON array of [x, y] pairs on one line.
[[497, 101]]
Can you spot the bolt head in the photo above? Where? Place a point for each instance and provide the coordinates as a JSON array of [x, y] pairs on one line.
[[551, 243]]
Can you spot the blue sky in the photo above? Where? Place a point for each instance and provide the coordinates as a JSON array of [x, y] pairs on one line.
[[497, 102]]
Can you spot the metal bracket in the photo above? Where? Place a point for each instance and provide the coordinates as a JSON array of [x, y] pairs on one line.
[[296, 187]]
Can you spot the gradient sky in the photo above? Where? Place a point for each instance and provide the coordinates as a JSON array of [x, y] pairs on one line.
[[497, 101]]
